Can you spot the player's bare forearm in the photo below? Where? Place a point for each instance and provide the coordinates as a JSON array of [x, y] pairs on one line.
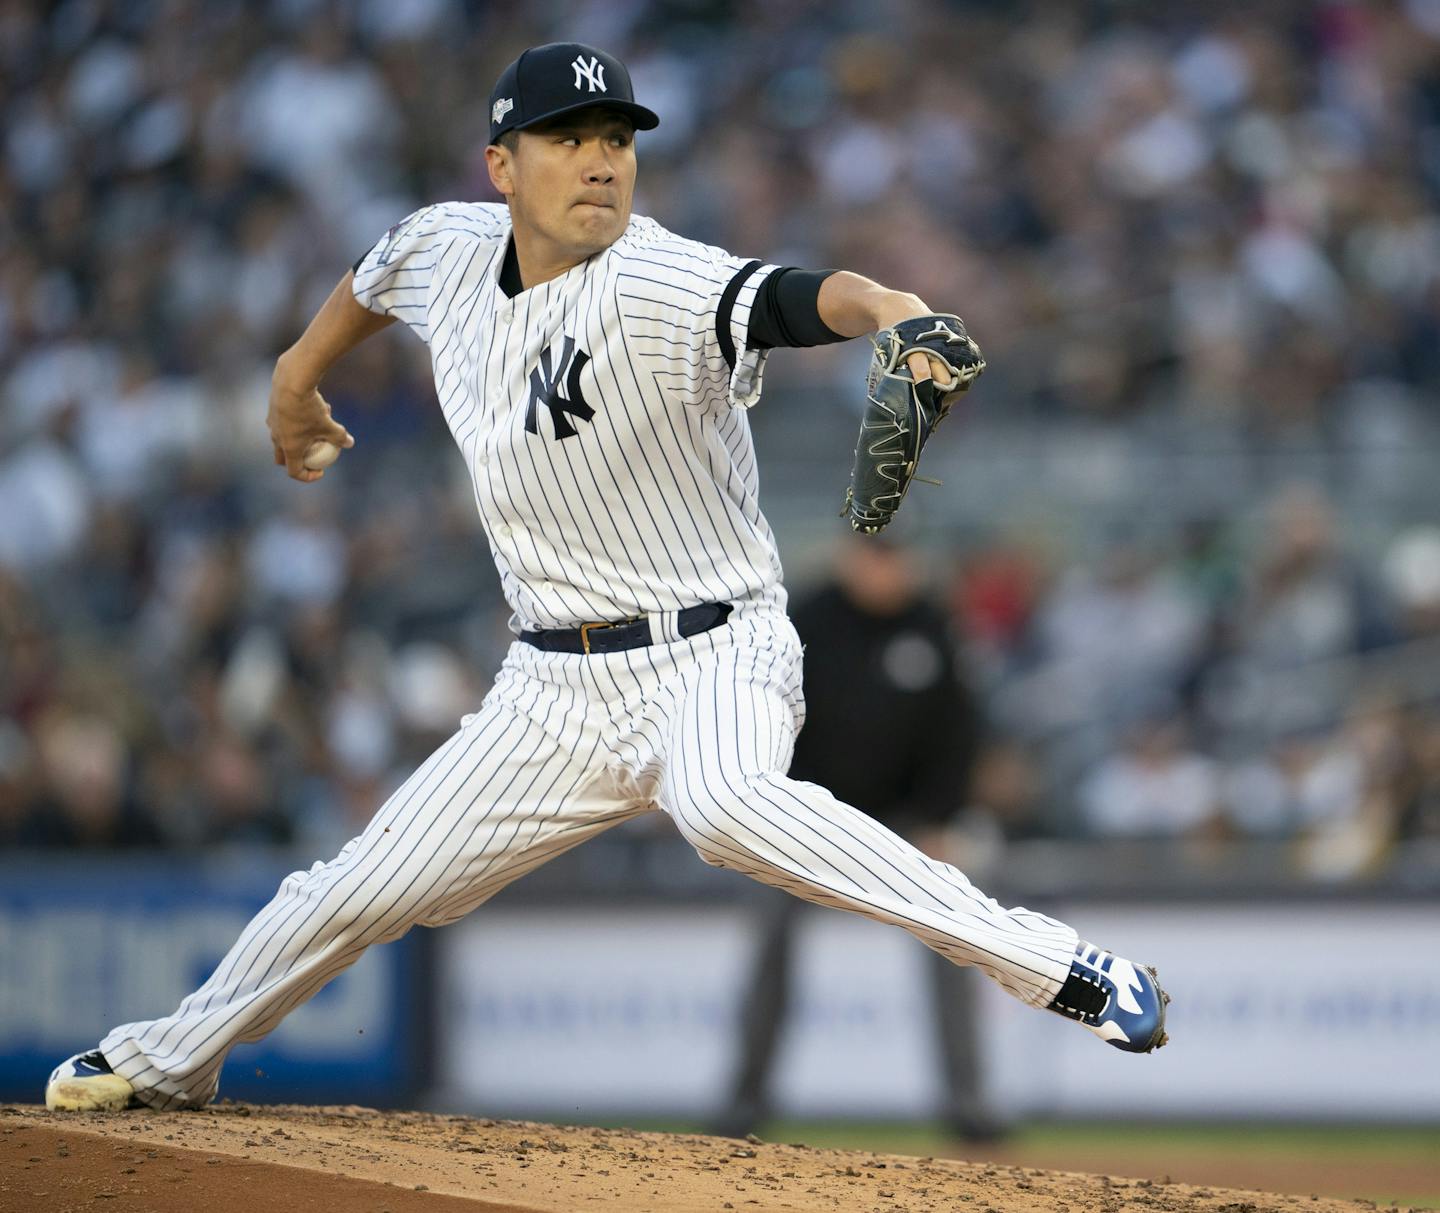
[[338, 327], [852, 305], [298, 416]]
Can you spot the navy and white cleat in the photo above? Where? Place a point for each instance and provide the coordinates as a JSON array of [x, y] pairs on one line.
[[86, 1083], [1120, 1002]]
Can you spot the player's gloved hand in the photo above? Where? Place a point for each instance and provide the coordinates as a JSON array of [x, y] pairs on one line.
[[299, 417], [903, 408]]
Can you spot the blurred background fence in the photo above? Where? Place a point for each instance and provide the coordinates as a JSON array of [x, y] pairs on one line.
[[1187, 539]]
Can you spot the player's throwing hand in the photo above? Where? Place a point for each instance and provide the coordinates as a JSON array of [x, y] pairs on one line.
[[302, 427]]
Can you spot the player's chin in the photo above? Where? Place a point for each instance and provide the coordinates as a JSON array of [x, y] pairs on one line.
[[599, 226]]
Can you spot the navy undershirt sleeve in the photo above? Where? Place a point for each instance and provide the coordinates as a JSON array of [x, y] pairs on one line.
[[786, 311]]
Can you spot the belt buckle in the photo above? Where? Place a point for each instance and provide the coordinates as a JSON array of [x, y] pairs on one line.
[[587, 628]]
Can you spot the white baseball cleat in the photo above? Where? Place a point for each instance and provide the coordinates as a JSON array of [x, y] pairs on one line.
[[1122, 1003], [86, 1083]]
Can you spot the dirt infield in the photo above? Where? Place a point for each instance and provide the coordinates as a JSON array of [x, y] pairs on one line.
[[235, 1158]]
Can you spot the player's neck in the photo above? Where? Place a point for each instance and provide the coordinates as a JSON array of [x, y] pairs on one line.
[[540, 260]]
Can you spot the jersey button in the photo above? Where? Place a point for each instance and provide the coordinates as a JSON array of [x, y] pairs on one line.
[[505, 532], [507, 315], [484, 460]]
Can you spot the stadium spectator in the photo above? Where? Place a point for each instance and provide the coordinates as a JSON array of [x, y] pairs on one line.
[[1154, 786]]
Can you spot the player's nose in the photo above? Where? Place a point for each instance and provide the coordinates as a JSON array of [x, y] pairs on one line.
[[598, 169]]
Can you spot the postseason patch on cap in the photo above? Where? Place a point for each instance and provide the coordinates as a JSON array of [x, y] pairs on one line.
[[501, 107]]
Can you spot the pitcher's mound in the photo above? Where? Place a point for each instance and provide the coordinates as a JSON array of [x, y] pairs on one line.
[[236, 1158]]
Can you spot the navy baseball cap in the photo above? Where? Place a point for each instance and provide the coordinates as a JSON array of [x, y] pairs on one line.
[[560, 77]]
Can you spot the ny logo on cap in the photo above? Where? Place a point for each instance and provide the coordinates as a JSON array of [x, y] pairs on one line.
[[501, 108], [592, 72]]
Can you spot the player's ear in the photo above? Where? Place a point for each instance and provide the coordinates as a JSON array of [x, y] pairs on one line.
[[498, 160]]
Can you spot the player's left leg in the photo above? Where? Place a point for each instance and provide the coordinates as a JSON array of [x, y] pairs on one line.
[[724, 786]]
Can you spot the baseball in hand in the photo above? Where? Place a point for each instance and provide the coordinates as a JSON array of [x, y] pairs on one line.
[[321, 454]]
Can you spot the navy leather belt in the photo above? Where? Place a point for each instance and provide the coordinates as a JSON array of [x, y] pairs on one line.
[[628, 633]]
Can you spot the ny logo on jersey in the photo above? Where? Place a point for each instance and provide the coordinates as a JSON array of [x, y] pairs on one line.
[[546, 382], [592, 72]]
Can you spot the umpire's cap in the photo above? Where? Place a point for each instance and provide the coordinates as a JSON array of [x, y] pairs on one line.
[[557, 78]]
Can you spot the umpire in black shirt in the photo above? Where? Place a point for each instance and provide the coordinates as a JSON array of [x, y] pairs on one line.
[[889, 726]]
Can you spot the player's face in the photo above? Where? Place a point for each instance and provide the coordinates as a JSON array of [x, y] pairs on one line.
[[570, 181]]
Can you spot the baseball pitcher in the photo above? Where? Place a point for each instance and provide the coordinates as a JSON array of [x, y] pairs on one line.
[[596, 371]]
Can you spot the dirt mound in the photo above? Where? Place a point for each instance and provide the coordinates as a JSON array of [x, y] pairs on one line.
[[235, 1158]]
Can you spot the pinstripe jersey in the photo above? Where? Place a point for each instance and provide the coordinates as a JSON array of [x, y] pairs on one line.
[[603, 427]]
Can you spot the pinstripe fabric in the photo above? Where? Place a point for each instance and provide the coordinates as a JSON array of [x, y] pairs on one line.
[[733, 732], [504, 794], [643, 505], [564, 747], [653, 504]]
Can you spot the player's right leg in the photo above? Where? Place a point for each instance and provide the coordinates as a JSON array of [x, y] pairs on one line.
[[498, 799]]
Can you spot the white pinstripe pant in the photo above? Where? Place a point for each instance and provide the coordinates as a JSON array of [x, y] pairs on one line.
[[564, 747]]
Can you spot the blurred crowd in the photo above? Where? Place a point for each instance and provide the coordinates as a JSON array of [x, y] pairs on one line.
[[1214, 224], [1252, 678]]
